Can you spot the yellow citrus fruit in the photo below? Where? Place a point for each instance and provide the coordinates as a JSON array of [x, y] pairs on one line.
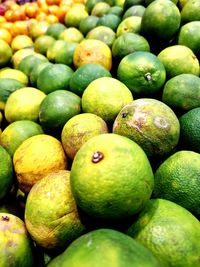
[[130, 24], [85, 125], [92, 51], [55, 212], [42, 43], [75, 14], [5, 53], [71, 34], [111, 177], [105, 97], [162, 222], [5, 35], [20, 42], [24, 104], [47, 154], [15, 74], [16, 245], [20, 54]]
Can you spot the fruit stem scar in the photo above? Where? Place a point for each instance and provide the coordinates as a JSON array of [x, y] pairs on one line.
[[5, 218], [124, 114], [148, 76], [97, 156]]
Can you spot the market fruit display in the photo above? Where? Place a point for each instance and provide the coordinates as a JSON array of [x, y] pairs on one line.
[[99, 133]]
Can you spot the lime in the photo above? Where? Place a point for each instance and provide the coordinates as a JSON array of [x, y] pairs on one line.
[[142, 72], [16, 247], [129, 3], [35, 72], [109, 20], [151, 124], [190, 12], [177, 179], [8, 86], [24, 104], [66, 53], [55, 29], [5, 53], [190, 129], [118, 250], [42, 43], [47, 154], [79, 129], [182, 92], [54, 77], [135, 10], [174, 58], [152, 26], [105, 97], [128, 43], [88, 23], [189, 35], [116, 10], [6, 173], [102, 33], [54, 211], [16, 132], [170, 231], [92, 51], [57, 108], [130, 24], [84, 75]]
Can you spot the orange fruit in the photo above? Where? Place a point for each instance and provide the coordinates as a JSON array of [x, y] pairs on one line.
[[31, 10], [19, 28]]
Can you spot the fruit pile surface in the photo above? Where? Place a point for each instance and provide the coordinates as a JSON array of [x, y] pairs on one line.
[[100, 133]]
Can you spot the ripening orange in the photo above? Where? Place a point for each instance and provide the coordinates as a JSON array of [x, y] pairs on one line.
[[32, 10], [53, 2], [52, 19], [7, 25], [19, 28], [2, 19], [5, 35]]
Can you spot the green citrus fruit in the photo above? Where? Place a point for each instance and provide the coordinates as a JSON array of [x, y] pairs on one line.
[[190, 12], [142, 72], [54, 77], [102, 33], [20, 54], [151, 124], [170, 231], [84, 75], [71, 34], [28, 63], [130, 24], [111, 177], [8, 86], [6, 173], [42, 43], [5, 53], [35, 72], [190, 130], [47, 154], [109, 20], [57, 108], [177, 179], [118, 250], [174, 59], [55, 29], [66, 53], [129, 3], [14, 74], [182, 92], [16, 248], [152, 26], [74, 15], [105, 97], [116, 10], [189, 35], [88, 23], [79, 129], [24, 104], [16, 132], [55, 212], [100, 9], [135, 10], [128, 43]]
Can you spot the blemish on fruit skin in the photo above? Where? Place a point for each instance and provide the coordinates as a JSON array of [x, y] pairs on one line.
[[124, 114], [148, 76], [5, 218], [161, 123], [97, 156]]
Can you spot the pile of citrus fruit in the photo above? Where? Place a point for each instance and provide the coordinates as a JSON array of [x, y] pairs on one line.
[[100, 133]]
